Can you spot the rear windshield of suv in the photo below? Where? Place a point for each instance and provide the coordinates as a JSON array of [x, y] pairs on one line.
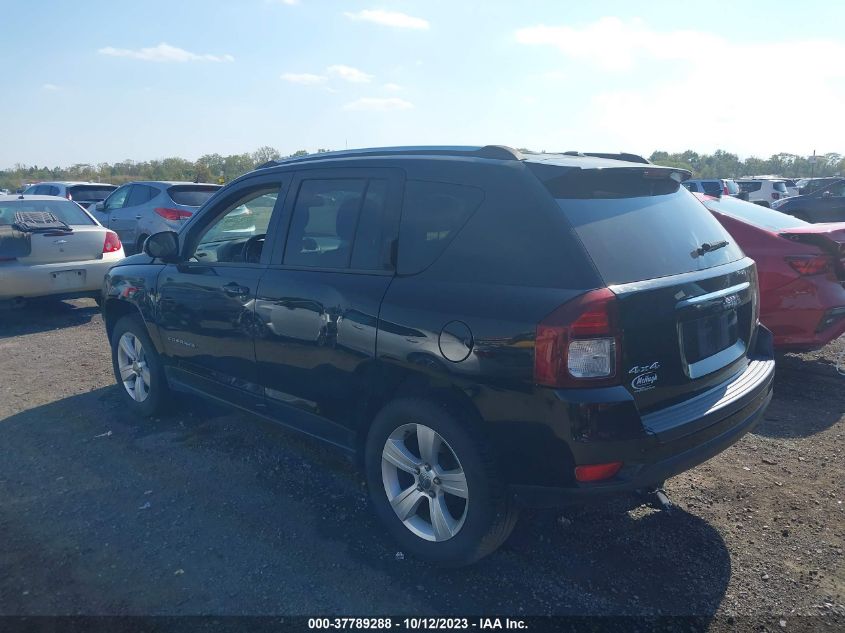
[[191, 196], [749, 186], [88, 192], [637, 228], [780, 187], [67, 212], [754, 214]]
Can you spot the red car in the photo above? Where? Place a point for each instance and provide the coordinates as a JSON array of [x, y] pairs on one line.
[[800, 268]]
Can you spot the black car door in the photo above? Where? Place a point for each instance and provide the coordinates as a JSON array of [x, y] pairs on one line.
[[318, 303], [207, 303]]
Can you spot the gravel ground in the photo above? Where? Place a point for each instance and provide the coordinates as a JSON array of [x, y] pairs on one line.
[[209, 511]]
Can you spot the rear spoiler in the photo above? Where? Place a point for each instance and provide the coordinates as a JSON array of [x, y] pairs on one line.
[[832, 242]]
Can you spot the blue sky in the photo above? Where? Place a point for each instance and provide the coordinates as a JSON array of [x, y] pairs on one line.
[[100, 80]]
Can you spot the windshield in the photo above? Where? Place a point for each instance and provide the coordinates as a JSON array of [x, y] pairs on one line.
[[90, 193], [649, 236], [66, 211], [754, 214]]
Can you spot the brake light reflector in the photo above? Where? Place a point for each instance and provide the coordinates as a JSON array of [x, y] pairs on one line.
[[810, 264], [775, 196], [173, 214], [597, 472], [112, 243], [580, 343]]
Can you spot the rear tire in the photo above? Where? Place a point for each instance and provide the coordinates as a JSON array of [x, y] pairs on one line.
[[458, 510], [137, 367]]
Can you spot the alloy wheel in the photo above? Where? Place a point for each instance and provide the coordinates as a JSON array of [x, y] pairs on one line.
[[424, 482], [133, 368]]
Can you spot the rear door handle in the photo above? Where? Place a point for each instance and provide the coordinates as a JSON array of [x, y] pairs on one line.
[[233, 289], [137, 217]]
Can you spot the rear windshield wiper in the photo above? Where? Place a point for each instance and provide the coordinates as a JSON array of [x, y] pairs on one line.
[[708, 247]]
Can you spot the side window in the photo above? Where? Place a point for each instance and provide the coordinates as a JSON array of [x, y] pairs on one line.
[[690, 186], [432, 214], [237, 236], [139, 194], [52, 190], [377, 230], [837, 189], [324, 221], [117, 199], [41, 190]]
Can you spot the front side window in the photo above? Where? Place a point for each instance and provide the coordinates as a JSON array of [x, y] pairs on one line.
[[117, 199], [237, 235]]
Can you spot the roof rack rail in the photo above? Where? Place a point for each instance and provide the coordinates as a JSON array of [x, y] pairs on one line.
[[497, 152], [626, 156]]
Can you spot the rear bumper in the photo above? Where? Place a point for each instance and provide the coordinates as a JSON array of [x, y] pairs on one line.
[[38, 280], [794, 313], [678, 438]]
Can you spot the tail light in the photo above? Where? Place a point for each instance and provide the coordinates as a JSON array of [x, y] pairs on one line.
[[775, 196], [112, 243], [725, 191], [597, 472], [173, 214], [810, 264], [580, 343]]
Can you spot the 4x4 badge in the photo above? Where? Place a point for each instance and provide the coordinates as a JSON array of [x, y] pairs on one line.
[[639, 369]]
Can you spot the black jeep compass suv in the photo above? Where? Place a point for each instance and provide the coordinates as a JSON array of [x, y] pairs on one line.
[[483, 329]]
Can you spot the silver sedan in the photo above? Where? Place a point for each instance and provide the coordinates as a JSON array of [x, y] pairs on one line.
[[50, 246]]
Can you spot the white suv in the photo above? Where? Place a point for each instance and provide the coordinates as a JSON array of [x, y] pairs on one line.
[[763, 191]]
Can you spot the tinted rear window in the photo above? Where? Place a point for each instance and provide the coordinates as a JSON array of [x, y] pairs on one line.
[[712, 187], [754, 214], [66, 211], [779, 186], [191, 196], [432, 214], [637, 228], [88, 192], [750, 187]]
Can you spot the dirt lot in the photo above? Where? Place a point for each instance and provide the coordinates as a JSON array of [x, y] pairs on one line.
[[211, 511]]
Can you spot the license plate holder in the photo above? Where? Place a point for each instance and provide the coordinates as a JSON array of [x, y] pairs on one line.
[[707, 336], [68, 279]]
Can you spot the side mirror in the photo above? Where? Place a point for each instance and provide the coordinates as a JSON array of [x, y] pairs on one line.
[[100, 206], [826, 194], [163, 246]]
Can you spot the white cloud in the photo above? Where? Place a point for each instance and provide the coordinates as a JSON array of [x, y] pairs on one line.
[[304, 79], [349, 73], [50, 87], [691, 90], [163, 53], [377, 104], [390, 87], [389, 18]]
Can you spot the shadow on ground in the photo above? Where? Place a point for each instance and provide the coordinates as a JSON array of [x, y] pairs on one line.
[[210, 511], [39, 315], [812, 388]]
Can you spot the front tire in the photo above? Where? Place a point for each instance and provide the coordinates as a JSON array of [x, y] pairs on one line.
[[137, 367], [434, 484]]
